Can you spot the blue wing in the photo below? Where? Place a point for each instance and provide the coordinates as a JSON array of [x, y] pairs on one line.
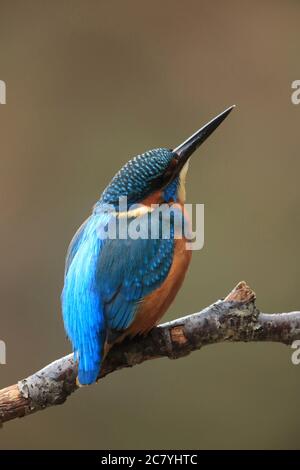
[[128, 271], [105, 282]]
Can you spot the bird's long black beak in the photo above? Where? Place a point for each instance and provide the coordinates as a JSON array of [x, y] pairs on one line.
[[185, 150]]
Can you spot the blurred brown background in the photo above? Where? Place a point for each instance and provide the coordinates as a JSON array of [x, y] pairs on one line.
[[91, 83]]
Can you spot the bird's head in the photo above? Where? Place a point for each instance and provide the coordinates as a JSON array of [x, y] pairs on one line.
[[158, 176]]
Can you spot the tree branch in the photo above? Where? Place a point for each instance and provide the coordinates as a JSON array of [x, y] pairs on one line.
[[235, 318]]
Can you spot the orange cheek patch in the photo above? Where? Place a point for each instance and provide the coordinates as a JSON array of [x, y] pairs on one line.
[[154, 198]]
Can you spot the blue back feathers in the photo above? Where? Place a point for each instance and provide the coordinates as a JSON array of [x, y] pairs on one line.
[[81, 303]]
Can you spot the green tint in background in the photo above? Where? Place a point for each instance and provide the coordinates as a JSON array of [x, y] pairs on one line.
[[91, 83]]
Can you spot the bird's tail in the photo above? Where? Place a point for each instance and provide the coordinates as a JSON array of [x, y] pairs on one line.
[[88, 371]]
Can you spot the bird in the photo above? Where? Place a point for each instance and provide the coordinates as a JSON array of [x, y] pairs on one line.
[[117, 287]]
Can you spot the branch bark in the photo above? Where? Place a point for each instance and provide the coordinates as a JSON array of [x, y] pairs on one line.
[[235, 318]]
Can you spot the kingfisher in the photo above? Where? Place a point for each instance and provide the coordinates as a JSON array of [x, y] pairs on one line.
[[118, 286]]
